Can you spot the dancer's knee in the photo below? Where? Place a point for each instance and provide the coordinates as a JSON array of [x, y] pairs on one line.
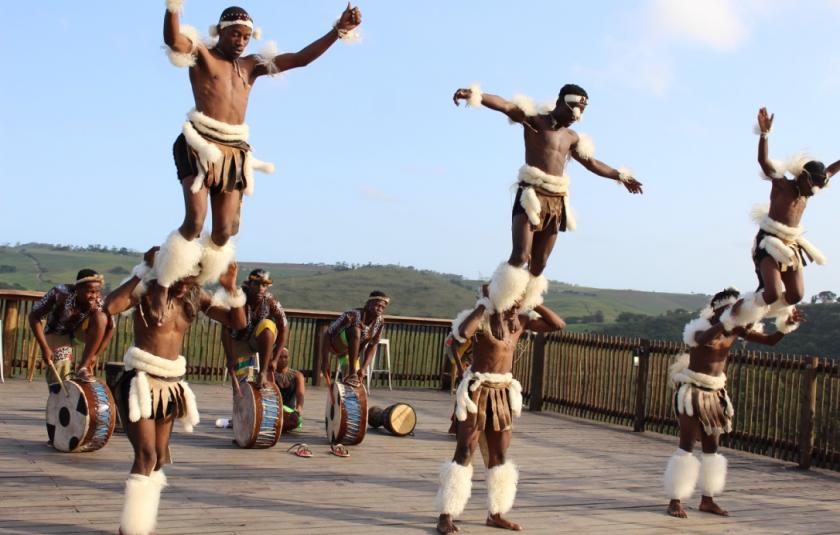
[[222, 233], [145, 458]]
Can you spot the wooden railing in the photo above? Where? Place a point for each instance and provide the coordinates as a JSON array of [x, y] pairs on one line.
[[787, 407]]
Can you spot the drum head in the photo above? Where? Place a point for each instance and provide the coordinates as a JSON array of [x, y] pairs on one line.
[[400, 419], [244, 416], [68, 418], [332, 415]]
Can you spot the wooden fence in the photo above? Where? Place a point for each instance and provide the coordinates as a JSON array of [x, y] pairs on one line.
[[787, 406]]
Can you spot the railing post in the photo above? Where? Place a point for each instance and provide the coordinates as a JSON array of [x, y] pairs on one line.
[[643, 353], [9, 325], [808, 410], [537, 369], [318, 333]]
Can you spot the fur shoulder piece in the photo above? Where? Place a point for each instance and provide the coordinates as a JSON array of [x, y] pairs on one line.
[[266, 58], [185, 59], [585, 147], [692, 328]]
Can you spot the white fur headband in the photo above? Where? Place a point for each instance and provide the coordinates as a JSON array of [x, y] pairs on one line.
[[577, 99], [214, 30]]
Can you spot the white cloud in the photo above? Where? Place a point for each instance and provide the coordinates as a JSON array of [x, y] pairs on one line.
[[373, 194], [713, 23]]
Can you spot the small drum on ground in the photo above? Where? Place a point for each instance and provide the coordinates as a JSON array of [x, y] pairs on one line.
[[257, 416], [113, 373], [346, 416], [399, 419], [83, 418]]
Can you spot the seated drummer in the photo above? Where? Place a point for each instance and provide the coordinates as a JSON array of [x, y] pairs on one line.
[[292, 386], [350, 333], [72, 312], [265, 334]]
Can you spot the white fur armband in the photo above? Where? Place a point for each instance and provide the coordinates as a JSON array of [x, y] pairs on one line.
[[475, 95], [266, 58], [486, 303], [624, 175], [224, 300], [585, 147], [140, 270], [174, 6], [185, 59]]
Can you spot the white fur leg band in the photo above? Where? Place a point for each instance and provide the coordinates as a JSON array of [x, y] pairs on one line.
[[475, 96], [224, 300], [713, 474], [501, 488], [215, 259], [507, 286], [681, 475], [753, 309], [177, 258], [140, 505], [455, 488], [534, 292]]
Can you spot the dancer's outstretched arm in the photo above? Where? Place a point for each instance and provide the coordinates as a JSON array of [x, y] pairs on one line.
[[494, 102], [601, 169], [548, 321]]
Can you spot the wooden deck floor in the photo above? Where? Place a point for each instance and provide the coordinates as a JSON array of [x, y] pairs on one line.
[[576, 477]]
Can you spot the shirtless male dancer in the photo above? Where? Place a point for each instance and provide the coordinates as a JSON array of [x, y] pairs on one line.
[[71, 311], [212, 154], [541, 208], [487, 398], [780, 249], [152, 392], [702, 404]]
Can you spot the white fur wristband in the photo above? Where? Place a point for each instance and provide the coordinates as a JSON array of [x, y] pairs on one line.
[[759, 132], [474, 101], [174, 6], [624, 175], [140, 270], [347, 36], [224, 300], [784, 327]]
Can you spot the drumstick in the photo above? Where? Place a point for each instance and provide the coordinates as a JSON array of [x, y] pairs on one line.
[[55, 372]]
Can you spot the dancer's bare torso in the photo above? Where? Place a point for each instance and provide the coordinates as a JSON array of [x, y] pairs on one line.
[[167, 339], [546, 148], [494, 355], [786, 204], [221, 87]]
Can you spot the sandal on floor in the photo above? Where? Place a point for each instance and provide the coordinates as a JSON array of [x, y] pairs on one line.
[[301, 450], [339, 450]]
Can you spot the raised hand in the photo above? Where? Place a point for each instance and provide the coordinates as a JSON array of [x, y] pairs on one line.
[[461, 94], [765, 120], [350, 18], [228, 278], [149, 256], [796, 316]]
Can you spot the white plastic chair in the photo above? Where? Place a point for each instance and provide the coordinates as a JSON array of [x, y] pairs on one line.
[[384, 346]]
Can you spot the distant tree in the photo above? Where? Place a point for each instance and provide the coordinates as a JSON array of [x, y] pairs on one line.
[[823, 297]]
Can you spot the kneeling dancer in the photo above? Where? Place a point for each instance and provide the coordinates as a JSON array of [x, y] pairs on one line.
[[541, 208], [152, 392], [702, 404], [487, 399]]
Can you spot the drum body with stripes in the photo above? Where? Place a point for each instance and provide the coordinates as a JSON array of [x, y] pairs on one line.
[[399, 419], [346, 415], [81, 416], [257, 416]]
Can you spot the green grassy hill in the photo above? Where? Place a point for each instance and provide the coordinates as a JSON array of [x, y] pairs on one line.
[[330, 287]]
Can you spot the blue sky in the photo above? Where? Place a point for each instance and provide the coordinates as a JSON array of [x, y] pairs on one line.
[[375, 164]]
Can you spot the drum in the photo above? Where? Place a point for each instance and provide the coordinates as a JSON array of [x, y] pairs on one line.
[[346, 416], [399, 419], [82, 419], [257, 416], [113, 373]]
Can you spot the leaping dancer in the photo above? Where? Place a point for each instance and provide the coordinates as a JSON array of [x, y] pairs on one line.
[[541, 208], [212, 154], [779, 250]]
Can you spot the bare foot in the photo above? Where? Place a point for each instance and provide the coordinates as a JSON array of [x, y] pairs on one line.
[[675, 508], [708, 505], [445, 524], [496, 521]]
